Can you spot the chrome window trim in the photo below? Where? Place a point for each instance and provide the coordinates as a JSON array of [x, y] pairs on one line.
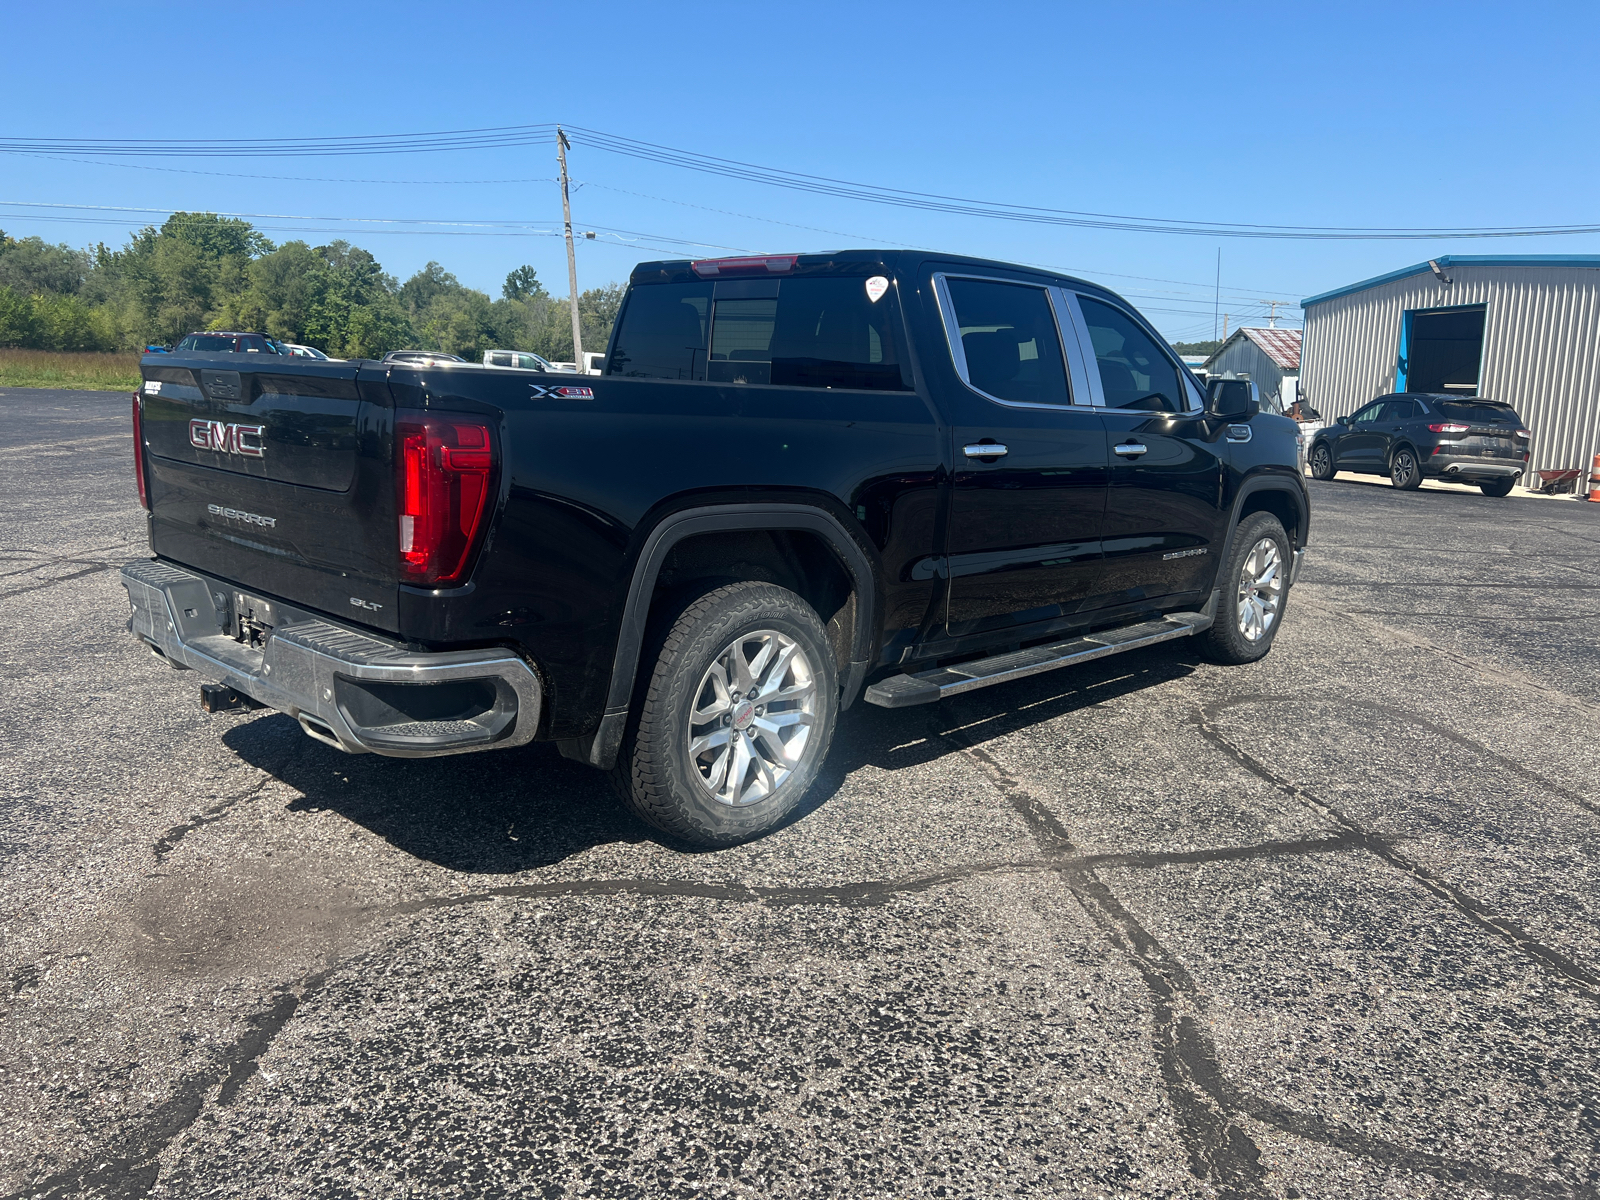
[[1197, 402], [1067, 301], [958, 354]]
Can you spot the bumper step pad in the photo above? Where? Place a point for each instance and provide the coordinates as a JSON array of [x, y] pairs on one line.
[[926, 687]]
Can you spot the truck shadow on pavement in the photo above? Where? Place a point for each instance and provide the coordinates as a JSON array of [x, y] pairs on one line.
[[504, 812]]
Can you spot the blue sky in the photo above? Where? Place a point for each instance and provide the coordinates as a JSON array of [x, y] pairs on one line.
[[1350, 114]]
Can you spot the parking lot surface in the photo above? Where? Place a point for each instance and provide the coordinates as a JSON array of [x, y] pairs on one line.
[[1326, 926]]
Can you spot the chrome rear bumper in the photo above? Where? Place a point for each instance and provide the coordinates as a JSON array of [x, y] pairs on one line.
[[345, 687]]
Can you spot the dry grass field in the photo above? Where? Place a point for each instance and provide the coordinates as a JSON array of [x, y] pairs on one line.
[[69, 369]]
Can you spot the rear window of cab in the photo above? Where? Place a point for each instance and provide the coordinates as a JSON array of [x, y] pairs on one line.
[[820, 331]]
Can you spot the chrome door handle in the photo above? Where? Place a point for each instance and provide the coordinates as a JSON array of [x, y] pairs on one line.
[[984, 450], [1129, 449]]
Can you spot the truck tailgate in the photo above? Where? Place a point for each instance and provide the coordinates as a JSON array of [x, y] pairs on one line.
[[276, 475]]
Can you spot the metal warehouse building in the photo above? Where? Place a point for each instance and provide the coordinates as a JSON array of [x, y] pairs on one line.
[[1521, 329], [1266, 357]]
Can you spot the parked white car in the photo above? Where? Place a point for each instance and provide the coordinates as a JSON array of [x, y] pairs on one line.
[[299, 351], [594, 362], [519, 360]]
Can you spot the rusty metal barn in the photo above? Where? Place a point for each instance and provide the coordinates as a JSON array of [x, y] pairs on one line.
[[1521, 329]]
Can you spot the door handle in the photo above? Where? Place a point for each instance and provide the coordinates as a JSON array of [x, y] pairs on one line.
[[1130, 449], [984, 450]]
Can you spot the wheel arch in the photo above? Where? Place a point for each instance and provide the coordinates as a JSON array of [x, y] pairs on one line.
[[1275, 494], [737, 531], [1404, 444]]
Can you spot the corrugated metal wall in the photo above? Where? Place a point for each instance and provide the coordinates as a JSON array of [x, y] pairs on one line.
[[1244, 357], [1541, 348]]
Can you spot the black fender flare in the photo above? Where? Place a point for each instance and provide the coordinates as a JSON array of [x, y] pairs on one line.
[[600, 749]]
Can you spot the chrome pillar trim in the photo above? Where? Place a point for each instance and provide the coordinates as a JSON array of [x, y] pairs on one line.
[[305, 668], [1085, 366]]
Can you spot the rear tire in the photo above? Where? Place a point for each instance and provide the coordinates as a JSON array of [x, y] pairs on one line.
[[1322, 462], [734, 719], [1405, 472], [1254, 585], [1497, 487]]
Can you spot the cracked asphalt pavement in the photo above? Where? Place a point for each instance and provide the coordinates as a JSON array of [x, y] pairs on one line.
[[1326, 926]]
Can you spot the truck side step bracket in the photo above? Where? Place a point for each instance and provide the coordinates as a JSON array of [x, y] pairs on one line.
[[926, 687]]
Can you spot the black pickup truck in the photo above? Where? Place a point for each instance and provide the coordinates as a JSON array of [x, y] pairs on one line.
[[800, 481]]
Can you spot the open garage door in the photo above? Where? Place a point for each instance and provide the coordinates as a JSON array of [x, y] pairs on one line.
[[1441, 350]]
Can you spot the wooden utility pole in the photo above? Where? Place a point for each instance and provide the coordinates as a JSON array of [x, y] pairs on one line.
[[572, 259]]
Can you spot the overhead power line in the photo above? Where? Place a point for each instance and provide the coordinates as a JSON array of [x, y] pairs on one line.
[[498, 137], [386, 225], [1000, 210], [493, 137], [133, 166]]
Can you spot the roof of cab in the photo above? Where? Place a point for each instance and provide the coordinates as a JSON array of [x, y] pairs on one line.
[[681, 270]]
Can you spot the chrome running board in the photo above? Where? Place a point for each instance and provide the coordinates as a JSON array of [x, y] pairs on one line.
[[926, 687]]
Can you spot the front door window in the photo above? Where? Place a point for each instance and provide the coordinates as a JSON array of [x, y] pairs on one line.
[[1134, 372]]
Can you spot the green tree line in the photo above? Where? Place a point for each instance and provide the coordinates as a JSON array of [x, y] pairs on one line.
[[201, 271]]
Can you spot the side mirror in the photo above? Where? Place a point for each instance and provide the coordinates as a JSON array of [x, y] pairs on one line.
[[1232, 399], [1344, 420]]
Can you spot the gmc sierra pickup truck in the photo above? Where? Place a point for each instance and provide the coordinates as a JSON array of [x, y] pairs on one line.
[[799, 482]]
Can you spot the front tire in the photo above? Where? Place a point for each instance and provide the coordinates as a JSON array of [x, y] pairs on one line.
[[735, 717], [1254, 587], [1404, 470], [1497, 487], [1322, 462]]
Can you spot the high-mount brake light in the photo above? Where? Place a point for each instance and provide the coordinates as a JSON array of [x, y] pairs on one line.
[[444, 474], [1449, 428], [761, 264], [138, 451]]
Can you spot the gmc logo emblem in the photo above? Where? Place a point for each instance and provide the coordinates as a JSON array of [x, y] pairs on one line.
[[227, 439]]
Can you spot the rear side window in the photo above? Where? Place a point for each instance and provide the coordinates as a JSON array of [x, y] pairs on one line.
[[1134, 373], [1399, 410], [1009, 339], [816, 331], [1477, 414]]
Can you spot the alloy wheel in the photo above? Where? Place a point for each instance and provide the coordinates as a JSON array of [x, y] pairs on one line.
[[752, 717], [1403, 468], [1322, 463], [1260, 590]]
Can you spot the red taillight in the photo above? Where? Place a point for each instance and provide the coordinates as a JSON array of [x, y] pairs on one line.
[[444, 473], [138, 452], [762, 264], [1449, 428]]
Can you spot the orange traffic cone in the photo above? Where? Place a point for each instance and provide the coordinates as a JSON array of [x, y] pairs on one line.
[[1594, 480]]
